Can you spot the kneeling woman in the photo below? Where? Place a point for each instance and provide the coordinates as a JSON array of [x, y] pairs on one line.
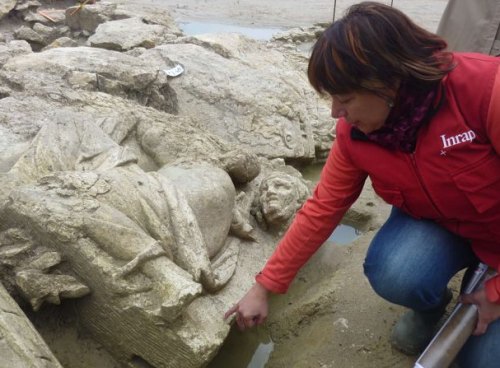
[[424, 125]]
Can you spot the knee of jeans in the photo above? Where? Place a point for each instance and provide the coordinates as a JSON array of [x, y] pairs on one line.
[[381, 279], [481, 351], [398, 287]]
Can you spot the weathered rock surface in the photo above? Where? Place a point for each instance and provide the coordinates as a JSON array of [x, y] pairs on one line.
[[73, 186], [48, 16], [13, 48], [125, 34], [61, 42], [130, 238], [264, 106], [91, 16], [228, 88], [50, 164], [66, 71], [87, 18], [6, 6], [21, 345], [28, 34], [139, 195]]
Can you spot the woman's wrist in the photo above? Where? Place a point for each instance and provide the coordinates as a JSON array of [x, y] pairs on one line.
[[261, 288]]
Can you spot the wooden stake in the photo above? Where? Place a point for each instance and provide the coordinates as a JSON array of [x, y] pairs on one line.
[[43, 14]]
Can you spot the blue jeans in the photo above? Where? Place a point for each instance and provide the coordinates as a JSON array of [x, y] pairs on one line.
[[410, 263]]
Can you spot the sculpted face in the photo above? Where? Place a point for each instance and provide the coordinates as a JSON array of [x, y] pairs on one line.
[[281, 195]]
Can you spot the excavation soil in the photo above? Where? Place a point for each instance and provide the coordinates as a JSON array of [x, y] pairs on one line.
[[331, 317]]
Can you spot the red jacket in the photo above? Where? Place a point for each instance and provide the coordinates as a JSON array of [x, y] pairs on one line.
[[453, 177]]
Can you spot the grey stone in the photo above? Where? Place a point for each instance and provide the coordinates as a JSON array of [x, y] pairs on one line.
[[46, 16], [13, 48], [61, 42], [21, 345], [141, 208], [28, 34], [87, 18], [23, 5], [231, 90], [6, 6], [125, 34]]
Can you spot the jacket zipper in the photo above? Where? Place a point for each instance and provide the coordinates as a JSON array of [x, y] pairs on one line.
[[422, 185]]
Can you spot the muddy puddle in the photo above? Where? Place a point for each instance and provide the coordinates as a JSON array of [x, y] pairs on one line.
[[312, 172], [197, 28]]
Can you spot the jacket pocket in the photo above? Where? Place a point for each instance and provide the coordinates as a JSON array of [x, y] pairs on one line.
[[481, 184], [394, 197], [391, 196]]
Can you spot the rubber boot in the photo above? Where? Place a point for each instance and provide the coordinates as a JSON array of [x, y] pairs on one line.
[[415, 329]]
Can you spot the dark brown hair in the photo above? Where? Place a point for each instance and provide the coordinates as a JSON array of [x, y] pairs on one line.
[[373, 47]]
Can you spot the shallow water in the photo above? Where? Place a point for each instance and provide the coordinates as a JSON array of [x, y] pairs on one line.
[[344, 235], [197, 28], [249, 349], [312, 172]]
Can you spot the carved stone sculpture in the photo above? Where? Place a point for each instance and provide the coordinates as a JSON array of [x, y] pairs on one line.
[[281, 195], [113, 192], [21, 345], [89, 220]]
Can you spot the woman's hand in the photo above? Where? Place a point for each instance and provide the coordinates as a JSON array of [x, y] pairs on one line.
[[252, 309], [487, 311]]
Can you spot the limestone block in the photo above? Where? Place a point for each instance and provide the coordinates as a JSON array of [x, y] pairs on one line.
[[115, 73], [21, 345], [28, 34], [6, 6], [125, 34], [87, 18], [61, 42], [230, 89]]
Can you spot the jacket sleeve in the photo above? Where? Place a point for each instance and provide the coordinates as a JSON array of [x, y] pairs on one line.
[[339, 186], [492, 286], [493, 119]]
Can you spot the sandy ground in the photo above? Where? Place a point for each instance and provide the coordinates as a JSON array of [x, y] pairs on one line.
[[284, 13]]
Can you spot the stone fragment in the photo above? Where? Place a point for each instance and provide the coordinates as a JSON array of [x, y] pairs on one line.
[[87, 18], [28, 34], [20, 344], [6, 6], [125, 34], [61, 42]]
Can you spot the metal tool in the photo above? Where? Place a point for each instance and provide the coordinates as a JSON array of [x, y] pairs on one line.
[[448, 341]]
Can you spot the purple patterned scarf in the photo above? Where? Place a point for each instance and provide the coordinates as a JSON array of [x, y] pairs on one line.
[[410, 112]]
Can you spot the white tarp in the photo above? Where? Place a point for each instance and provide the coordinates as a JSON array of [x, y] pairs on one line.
[[472, 25]]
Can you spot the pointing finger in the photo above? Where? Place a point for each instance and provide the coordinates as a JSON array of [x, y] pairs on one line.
[[231, 311]]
